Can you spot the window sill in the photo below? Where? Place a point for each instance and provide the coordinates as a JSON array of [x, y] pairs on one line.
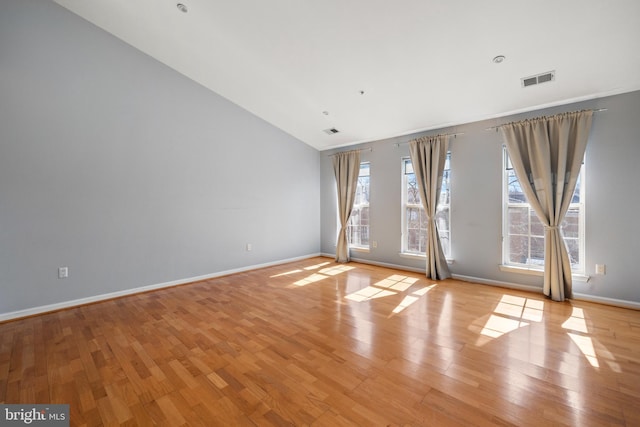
[[539, 272], [411, 255], [359, 249]]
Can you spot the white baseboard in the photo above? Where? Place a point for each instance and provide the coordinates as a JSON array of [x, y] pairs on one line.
[[82, 301], [535, 289], [388, 265], [380, 264], [608, 301], [510, 285], [538, 290], [97, 298]]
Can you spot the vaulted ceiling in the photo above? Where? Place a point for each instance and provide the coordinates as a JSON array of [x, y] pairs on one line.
[[374, 69]]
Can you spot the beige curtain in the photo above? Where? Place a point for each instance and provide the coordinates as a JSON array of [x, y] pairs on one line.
[[428, 156], [346, 166], [547, 154]]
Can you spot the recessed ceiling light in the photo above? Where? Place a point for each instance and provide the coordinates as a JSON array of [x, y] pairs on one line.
[[498, 59], [182, 8]]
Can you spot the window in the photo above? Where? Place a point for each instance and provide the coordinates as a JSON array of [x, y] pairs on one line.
[[358, 226], [414, 219], [523, 241]]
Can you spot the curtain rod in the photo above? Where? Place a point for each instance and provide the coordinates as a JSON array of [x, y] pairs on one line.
[[397, 144], [360, 149], [499, 126]]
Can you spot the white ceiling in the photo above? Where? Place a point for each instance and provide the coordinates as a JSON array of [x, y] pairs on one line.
[[422, 64]]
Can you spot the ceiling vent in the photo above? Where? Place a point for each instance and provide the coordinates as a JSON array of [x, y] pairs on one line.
[[331, 131], [549, 76]]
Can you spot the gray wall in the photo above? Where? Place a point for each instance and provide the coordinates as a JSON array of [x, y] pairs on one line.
[[612, 200], [130, 174]]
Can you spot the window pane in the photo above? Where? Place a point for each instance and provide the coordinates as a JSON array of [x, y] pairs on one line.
[[357, 201], [576, 192], [415, 221], [573, 247], [413, 195], [537, 229], [446, 244], [364, 216], [537, 251], [362, 191], [352, 234], [423, 219], [524, 243], [408, 167], [364, 236], [518, 220], [444, 191], [352, 229], [442, 219], [571, 223], [516, 195], [358, 229], [423, 240], [413, 240], [413, 218], [518, 249], [359, 235]]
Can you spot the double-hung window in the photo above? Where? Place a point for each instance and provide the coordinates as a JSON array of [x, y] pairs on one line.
[[358, 226], [523, 241], [414, 219]]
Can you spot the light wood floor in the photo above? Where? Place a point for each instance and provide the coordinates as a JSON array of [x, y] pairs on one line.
[[325, 344]]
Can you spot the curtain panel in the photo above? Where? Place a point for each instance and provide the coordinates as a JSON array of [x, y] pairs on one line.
[[546, 154], [428, 157], [346, 167]]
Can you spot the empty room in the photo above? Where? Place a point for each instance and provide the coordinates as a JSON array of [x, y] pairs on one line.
[[293, 213]]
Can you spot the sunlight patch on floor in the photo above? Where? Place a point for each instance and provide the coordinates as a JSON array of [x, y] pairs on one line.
[[397, 282], [332, 271], [392, 285], [585, 344], [576, 322], [287, 273], [579, 335], [369, 293], [510, 314], [519, 307], [322, 274], [315, 267], [606, 356], [497, 326], [310, 279], [412, 298], [406, 302]]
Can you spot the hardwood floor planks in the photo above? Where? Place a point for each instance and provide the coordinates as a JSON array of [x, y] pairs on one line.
[[315, 343]]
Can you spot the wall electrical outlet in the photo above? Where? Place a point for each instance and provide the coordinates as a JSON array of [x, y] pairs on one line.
[[601, 269], [375, 243], [63, 272], [249, 247]]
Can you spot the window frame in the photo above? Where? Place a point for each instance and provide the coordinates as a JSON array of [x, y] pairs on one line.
[[578, 269], [404, 245], [357, 207]]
